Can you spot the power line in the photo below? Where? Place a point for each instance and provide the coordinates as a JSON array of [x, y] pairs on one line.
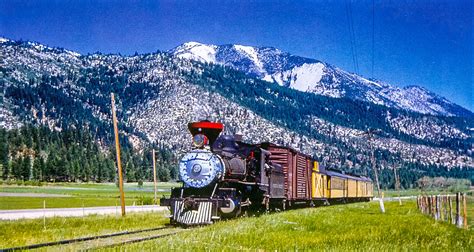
[[350, 33], [373, 36], [352, 37]]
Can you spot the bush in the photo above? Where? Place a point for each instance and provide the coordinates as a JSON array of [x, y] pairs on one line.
[[142, 200], [451, 184], [33, 183]]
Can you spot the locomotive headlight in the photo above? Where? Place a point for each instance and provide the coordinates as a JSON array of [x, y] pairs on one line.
[[199, 168], [199, 140]]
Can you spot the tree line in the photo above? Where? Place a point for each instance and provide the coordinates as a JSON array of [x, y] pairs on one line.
[[73, 155]]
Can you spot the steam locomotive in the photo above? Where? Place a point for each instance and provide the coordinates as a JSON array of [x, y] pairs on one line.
[[224, 177]]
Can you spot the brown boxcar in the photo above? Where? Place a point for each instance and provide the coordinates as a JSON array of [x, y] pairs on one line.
[[297, 169], [284, 157]]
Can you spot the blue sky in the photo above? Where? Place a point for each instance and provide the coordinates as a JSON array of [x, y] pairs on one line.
[[426, 43]]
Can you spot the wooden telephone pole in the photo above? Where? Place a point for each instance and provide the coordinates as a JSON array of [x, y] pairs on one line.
[[117, 149], [370, 134], [154, 174], [397, 183]]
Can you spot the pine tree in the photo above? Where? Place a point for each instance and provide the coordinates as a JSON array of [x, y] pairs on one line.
[[37, 169]]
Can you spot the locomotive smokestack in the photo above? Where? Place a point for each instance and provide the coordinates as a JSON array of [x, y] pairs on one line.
[[210, 129]]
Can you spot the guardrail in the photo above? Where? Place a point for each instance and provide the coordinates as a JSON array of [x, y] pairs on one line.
[[451, 208]]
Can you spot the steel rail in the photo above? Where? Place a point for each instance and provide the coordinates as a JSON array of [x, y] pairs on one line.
[[139, 240], [76, 240]]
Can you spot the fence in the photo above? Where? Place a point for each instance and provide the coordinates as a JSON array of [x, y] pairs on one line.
[[449, 208]]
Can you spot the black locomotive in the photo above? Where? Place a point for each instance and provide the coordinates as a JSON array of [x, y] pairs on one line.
[[224, 177]]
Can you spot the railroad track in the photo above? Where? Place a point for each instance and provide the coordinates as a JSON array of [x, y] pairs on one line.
[[103, 241]]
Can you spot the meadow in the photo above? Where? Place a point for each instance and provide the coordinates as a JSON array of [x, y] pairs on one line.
[[359, 226], [27, 232], [417, 191], [60, 195]]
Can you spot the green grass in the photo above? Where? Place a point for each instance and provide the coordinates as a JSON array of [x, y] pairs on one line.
[[24, 232], [10, 203], [358, 226], [351, 227], [413, 192], [470, 212], [87, 195], [416, 192], [86, 189]]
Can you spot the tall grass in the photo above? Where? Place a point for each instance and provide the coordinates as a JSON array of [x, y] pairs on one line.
[[24, 232], [358, 226]]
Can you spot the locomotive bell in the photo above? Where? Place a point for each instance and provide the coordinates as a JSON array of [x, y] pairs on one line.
[[209, 129]]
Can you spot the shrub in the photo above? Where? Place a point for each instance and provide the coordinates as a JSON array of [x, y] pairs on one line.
[[142, 200]]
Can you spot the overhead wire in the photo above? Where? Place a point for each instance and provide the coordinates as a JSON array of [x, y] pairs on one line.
[[373, 37], [350, 33], [352, 37]]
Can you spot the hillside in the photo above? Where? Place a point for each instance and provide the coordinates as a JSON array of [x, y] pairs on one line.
[[159, 93]]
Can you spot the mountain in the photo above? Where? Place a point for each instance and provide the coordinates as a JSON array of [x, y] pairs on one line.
[[159, 93], [310, 75]]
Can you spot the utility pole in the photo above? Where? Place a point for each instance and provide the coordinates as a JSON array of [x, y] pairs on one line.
[[370, 134], [154, 173], [397, 183], [117, 149]]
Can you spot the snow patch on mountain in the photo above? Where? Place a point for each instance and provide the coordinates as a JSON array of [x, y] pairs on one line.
[[303, 78], [197, 51], [253, 55]]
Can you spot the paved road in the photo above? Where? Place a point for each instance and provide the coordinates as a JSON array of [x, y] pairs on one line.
[[70, 212]]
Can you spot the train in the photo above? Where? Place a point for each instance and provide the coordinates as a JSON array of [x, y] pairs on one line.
[[223, 177]]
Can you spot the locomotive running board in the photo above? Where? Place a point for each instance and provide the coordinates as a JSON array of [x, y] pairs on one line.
[[203, 215]]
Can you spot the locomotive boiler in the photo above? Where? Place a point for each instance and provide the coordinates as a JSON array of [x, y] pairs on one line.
[[224, 177]]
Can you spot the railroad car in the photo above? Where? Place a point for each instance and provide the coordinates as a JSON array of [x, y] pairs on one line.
[[224, 177]]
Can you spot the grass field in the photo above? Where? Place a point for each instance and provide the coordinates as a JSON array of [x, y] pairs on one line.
[[86, 195], [24, 232], [412, 192], [358, 226]]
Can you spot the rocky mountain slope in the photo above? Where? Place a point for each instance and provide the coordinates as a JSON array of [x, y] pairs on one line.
[[310, 75], [158, 94]]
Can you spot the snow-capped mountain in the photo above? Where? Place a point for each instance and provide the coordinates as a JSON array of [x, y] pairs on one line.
[[158, 94], [310, 75]]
